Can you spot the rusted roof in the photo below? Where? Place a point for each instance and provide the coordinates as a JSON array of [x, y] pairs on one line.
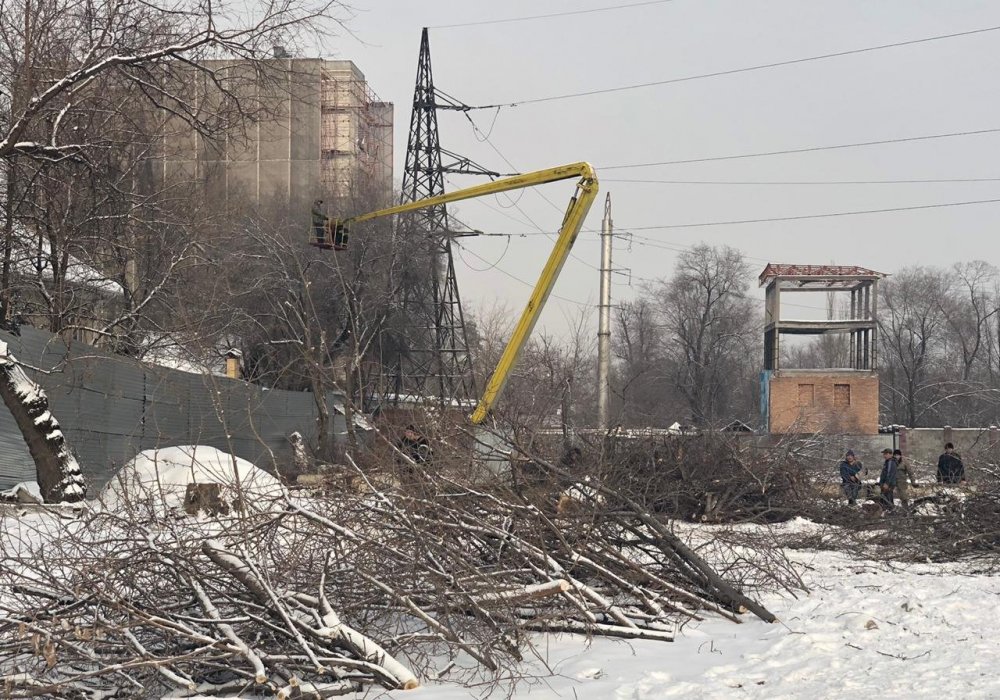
[[817, 272]]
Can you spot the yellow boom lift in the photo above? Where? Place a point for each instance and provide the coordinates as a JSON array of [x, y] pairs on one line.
[[333, 233]]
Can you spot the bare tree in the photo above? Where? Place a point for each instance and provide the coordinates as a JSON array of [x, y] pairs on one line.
[[993, 336], [316, 320], [911, 323], [641, 373], [710, 325], [553, 385], [150, 47], [967, 310]]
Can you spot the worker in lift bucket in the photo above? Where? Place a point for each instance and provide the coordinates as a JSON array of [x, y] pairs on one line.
[[319, 222]]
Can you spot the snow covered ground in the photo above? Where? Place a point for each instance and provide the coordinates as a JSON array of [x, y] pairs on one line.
[[866, 629]]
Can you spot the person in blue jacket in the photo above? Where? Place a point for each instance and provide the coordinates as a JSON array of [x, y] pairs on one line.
[[887, 480], [850, 468]]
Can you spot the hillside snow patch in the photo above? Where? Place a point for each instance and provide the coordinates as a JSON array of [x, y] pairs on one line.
[[158, 480]]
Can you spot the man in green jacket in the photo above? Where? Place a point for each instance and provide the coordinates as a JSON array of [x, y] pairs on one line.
[[905, 477]]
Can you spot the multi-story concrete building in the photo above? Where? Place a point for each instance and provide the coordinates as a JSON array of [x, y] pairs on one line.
[[316, 131]]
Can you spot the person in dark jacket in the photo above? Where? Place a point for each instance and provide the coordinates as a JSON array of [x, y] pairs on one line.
[[850, 468], [887, 480], [415, 446], [950, 469]]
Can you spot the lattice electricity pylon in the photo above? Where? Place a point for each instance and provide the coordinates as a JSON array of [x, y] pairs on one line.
[[433, 361]]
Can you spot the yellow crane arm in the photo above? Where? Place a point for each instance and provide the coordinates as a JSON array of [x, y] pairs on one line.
[[576, 212]]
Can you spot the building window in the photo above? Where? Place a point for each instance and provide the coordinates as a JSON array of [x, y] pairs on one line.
[[841, 395], [807, 394]]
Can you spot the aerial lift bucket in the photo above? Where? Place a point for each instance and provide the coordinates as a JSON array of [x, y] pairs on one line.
[[329, 234]]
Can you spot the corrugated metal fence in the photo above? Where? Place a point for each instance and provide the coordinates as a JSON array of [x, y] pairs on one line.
[[112, 407]]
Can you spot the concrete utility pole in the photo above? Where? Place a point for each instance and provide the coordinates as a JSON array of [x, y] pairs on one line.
[[604, 322]]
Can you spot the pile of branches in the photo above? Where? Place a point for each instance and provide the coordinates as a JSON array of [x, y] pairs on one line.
[[950, 524], [939, 523], [711, 477], [325, 595]]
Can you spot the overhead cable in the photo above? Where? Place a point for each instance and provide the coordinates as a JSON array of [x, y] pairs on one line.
[[550, 16], [735, 222], [515, 277], [736, 71], [806, 149], [800, 217], [515, 203], [804, 182]]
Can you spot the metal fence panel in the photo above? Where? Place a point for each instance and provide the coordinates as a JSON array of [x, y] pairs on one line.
[[112, 407]]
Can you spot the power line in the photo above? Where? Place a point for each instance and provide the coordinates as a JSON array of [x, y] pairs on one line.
[[811, 216], [675, 247], [550, 16], [489, 266], [500, 209], [807, 149], [485, 138], [805, 182], [516, 278], [531, 234], [645, 241], [746, 69], [824, 215]]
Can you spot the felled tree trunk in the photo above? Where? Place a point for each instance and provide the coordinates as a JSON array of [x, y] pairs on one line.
[[57, 471]]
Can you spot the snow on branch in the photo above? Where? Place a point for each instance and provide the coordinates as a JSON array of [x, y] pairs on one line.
[[132, 35], [58, 472]]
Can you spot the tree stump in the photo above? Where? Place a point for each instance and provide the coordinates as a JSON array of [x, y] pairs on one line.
[[205, 498]]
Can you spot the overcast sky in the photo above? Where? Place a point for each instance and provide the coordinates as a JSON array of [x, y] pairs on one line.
[[934, 87]]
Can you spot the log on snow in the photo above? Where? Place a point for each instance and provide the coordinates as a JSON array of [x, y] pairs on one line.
[[535, 591], [604, 630]]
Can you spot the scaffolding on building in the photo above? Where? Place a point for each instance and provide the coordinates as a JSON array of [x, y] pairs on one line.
[[355, 137]]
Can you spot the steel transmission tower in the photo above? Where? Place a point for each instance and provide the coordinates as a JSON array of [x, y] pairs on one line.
[[435, 362]]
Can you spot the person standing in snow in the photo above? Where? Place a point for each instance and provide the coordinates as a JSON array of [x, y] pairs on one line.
[[905, 477], [887, 480], [950, 469], [850, 468]]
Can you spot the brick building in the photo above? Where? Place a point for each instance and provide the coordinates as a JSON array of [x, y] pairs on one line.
[[831, 399], [827, 401]]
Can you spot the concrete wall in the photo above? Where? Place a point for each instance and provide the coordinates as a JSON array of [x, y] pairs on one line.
[[823, 401], [822, 453], [978, 447]]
